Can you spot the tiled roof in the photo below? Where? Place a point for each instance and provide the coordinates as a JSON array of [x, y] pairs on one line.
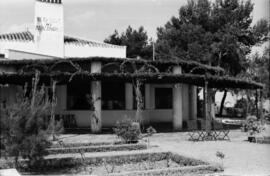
[[27, 36], [18, 36], [51, 1]]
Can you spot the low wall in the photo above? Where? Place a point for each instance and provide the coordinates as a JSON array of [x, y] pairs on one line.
[[110, 117]]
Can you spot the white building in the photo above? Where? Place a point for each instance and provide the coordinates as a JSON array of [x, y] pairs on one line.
[[169, 96], [48, 39]]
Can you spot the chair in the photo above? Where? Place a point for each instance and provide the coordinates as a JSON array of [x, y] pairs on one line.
[[220, 131], [206, 134], [193, 131], [69, 121]]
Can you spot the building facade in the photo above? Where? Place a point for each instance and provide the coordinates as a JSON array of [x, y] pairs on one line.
[[163, 103]]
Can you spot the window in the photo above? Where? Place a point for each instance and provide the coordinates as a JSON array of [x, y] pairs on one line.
[[113, 95], [163, 98], [77, 96]]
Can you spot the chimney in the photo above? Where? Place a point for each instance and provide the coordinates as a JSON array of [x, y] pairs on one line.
[[49, 27]]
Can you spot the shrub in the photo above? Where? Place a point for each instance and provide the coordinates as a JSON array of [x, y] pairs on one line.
[[252, 125], [128, 130], [25, 128]]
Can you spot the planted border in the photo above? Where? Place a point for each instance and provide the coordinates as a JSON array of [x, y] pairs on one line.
[[186, 165], [201, 169], [100, 148]]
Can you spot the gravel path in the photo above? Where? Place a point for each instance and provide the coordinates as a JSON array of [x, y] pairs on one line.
[[241, 157]]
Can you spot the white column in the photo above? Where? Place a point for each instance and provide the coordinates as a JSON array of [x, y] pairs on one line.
[[211, 101], [193, 102], [177, 102], [96, 96], [129, 96], [147, 96]]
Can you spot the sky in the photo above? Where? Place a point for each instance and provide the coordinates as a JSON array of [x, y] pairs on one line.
[[97, 19]]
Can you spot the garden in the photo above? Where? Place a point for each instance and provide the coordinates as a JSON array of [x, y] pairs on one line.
[[30, 143]]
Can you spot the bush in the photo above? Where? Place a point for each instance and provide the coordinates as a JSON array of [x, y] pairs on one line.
[[25, 128], [128, 130], [252, 126]]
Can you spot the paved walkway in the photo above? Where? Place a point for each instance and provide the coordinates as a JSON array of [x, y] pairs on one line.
[[241, 157]]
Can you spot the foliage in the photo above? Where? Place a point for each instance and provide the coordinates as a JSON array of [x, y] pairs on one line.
[[128, 130], [258, 67], [135, 40], [221, 156], [25, 129], [252, 126], [150, 131], [217, 33], [247, 106]]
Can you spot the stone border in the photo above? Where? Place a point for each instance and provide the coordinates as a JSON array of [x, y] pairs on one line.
[[95, 148], [186, 165], [201, 169]]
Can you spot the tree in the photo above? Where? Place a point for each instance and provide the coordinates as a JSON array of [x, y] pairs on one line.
[[258, 70], [135, 40], [217, 34]]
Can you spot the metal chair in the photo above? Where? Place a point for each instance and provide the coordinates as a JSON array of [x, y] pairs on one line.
[[220, 131], [193, 131], [206, 134]]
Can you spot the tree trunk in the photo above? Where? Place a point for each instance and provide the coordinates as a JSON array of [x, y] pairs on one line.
[[222, 102], [53, 110], [138, 116]]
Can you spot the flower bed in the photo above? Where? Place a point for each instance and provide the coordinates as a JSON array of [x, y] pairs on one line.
[[61, 145], [157, 163], [97, 148]]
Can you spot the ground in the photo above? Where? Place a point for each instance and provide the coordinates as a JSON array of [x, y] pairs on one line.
[[241, 157]]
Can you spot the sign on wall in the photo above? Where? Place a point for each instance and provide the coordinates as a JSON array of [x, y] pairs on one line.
[[48, 24]]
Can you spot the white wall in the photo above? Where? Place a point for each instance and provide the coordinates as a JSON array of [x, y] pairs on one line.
[[75, 50], [19, 55], [49, 28], [5, 45], [110, 117], [186, 104]]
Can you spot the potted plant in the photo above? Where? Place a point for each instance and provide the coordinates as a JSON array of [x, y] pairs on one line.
[[252, 126]]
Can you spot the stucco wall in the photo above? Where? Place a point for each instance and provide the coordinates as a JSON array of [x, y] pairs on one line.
[[110, 117], [186, 105], [73, 50], [18, 55]]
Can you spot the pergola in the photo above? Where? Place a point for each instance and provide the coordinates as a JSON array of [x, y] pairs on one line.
[[127, 70]]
